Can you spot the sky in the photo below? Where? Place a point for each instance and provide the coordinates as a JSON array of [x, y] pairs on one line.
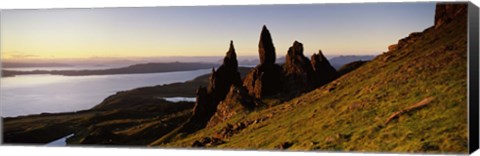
[[336, 29]]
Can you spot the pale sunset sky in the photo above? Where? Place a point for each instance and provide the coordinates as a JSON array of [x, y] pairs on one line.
[[337, 29]]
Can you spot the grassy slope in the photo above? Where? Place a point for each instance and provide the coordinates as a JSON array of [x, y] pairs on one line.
[[352, 116]]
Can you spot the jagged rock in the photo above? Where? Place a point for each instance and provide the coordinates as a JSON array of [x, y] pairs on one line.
[[298, 70], [266, 48], [324, 71], [446, 12], [231, 57], [219, 85], [226, 75], [236, 101]]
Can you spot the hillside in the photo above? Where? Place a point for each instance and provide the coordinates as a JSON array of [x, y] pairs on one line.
[[409, 99]]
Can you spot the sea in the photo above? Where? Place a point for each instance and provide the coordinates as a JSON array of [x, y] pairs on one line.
[[43, 93]]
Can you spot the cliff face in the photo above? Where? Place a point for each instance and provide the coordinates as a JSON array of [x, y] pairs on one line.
[[446, 12]]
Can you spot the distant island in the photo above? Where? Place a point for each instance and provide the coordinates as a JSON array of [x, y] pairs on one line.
[[23, 65], [133, 69]]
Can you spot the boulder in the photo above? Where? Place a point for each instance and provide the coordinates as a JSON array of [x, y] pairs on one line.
[[392, 47]]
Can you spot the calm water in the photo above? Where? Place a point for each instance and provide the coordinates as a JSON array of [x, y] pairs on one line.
[[34, 94]]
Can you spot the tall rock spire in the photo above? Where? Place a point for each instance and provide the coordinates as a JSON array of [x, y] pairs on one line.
[[265, 78], [219, 85], [231, 57], [266, 49]]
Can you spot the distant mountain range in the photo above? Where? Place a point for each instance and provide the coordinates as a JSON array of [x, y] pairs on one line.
[[336, 62]]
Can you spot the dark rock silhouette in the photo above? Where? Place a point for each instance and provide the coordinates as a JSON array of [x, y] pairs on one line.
[[265, 78], [298, 70], [446, 12], [266, 48], [324, 72], [264, 81], [203, 108], [219, 85], [226, 75]]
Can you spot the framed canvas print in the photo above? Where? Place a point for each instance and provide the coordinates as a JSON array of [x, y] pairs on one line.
[[354, 77]]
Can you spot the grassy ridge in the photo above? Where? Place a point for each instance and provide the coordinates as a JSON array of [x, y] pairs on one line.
[[349, 114]]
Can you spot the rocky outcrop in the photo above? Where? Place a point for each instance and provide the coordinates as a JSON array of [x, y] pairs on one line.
[[324, 72], [219, 85], [237, 101], [265, 78], [392, 47], [226, 75], [404, 42], [298, 70], [446, 12]]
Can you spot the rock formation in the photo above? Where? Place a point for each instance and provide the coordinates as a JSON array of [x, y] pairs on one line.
[[299, 75], [266, 48], [324, 72], [265, 78], [219, 85], [226, 75], [446, 12]]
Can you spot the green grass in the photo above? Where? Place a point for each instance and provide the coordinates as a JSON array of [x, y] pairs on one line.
[[352, 116]]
